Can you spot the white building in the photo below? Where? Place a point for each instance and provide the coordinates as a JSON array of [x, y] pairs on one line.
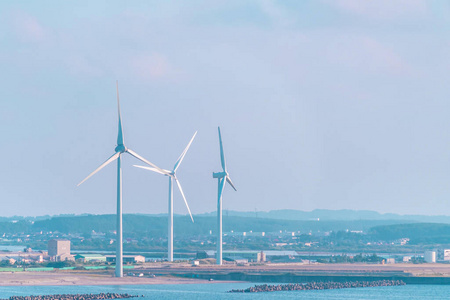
[[430, 256], [447, 254], [407, 258]]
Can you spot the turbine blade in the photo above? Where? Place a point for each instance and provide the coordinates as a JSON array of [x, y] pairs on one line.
[[230, 182], [150, 169], [222, 156], [112, 158], [222, 185], [146, 161], [180, 159], [120, 133], [184, 198]]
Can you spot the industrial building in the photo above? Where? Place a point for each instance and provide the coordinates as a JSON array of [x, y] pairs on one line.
[[241, 256], [130, 259], [90, 258], [59, 250], [58, 247], [430, 256]]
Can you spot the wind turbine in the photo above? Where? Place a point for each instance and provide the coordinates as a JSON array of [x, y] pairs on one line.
[[173, 176], [119, 150], [222, 177]]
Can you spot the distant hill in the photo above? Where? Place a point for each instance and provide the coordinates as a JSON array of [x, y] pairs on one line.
[[157, 225], [327, 215], [21, 218], [283, 214]]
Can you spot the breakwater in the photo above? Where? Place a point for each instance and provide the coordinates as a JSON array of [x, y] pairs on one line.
[[73, 297], [299, 276], [317, 286]]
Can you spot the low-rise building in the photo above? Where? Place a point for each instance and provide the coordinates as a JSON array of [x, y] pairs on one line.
[[250, 256], [65, 257], [390, 260], [12, 257], [90, 257], [447, 254], [130, 259], [10, 260]]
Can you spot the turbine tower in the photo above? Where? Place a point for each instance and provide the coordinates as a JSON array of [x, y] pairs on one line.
[[173, 176], [223, 178], [119, 150]]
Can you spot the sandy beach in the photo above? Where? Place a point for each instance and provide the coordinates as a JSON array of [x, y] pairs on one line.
[[75, 278]]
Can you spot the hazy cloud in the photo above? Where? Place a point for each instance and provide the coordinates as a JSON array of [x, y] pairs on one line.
[[365, 54], [383, 9], [277, 13], [28, 28], [152, 66], [80, 65]]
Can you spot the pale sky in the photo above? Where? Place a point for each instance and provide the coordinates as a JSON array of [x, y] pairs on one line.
[[322, 104]]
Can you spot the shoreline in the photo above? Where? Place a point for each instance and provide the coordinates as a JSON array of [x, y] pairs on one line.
[[169, 273]]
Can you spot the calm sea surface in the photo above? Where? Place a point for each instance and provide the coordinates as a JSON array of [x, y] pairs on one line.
[[218, 291]]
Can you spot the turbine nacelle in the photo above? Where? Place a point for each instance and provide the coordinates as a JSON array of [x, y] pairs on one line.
[[120, 149], [220, 174]]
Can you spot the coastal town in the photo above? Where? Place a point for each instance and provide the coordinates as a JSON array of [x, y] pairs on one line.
[[59, 252], [58, 265]]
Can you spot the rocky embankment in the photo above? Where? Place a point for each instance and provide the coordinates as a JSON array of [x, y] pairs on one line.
[[318, 286], [73, 297]]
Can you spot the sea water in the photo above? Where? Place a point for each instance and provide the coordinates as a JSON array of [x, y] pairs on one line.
[[219, 291]]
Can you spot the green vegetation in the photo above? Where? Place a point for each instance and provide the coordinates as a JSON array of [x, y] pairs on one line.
[[58, 264], [418, 233], [360, 258]]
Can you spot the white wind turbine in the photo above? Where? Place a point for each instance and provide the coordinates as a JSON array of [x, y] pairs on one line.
[[119, 150], [222, 177], [173, 176]]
